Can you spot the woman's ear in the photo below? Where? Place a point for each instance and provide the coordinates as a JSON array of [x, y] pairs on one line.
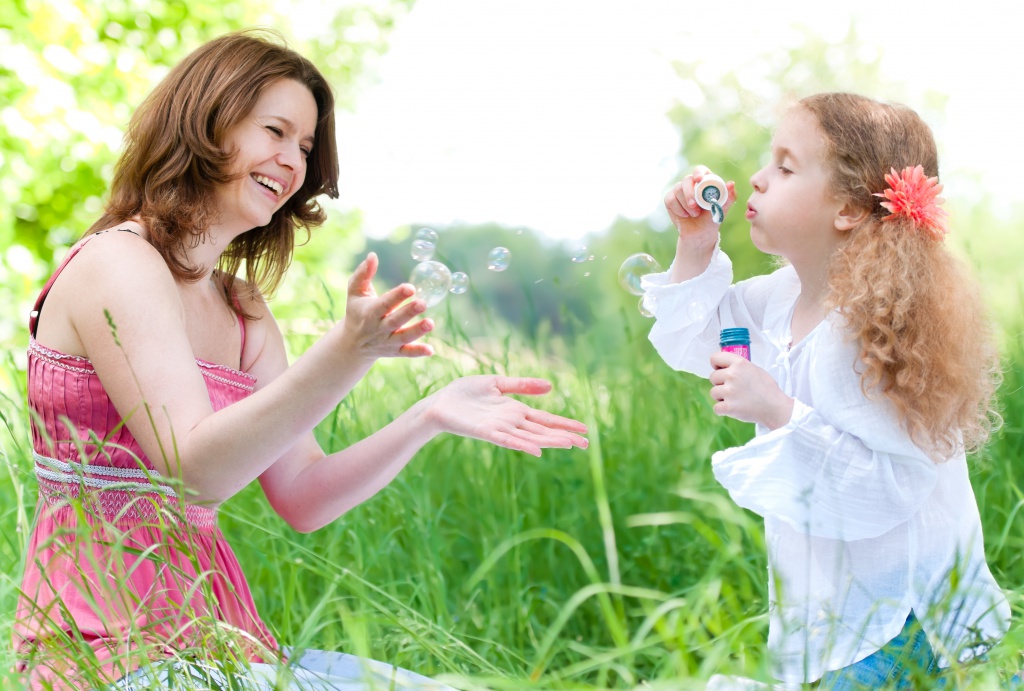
[[850, 216]]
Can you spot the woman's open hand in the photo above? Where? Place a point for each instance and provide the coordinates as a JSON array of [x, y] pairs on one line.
[[379, 326], [478, 407]]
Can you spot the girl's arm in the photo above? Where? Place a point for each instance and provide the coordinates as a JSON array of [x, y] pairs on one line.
[[826, 481], [846, 470], [133, 328], [698, 234]]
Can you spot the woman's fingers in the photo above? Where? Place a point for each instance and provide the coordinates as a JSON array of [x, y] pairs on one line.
[[388, 303], [511, 441], [395, 319], [416, 350], [545, 436], [552, 421], [526, 386], [406, 336], [360, 283]]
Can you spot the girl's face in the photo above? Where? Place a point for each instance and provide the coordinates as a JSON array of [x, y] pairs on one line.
[[791, 211], [270, 145]]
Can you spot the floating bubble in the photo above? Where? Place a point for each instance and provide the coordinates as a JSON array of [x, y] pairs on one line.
[[426, 234], [498, 259], [634, 268], [580, 254], [422, 250], [432, 281], [643, 308], [460, 283]]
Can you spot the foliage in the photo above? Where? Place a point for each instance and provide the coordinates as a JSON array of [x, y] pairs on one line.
[[70, 73]]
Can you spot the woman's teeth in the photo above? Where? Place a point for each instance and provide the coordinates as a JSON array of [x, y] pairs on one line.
[[267, 182]]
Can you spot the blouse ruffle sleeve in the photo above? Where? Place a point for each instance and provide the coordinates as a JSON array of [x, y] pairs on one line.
[[845, 470], [687, 315]]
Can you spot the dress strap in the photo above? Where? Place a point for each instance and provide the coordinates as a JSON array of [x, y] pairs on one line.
[[241, 321], [33, 316]]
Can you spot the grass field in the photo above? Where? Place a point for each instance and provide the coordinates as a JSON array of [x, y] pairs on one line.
[[622, 566]]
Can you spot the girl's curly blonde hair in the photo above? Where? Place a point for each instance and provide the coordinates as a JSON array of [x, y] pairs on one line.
[[917, 314]]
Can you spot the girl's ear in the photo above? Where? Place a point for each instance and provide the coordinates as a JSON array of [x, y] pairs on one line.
[[850, 216]]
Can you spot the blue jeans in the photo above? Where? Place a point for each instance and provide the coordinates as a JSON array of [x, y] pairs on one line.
[[905, 662], [316, 670]]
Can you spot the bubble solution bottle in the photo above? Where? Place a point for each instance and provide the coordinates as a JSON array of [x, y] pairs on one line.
[[735, 340]]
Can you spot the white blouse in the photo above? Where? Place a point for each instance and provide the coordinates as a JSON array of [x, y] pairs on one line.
[[861, 526]]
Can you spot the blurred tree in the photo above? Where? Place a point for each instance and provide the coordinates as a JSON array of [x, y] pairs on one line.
[[725, 124], [71, 71]]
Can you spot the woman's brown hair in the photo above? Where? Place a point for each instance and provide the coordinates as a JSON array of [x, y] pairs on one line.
[[174, 157], [925, 340]]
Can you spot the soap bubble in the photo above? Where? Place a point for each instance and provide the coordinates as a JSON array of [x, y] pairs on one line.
[[460, 283], [422, 250], [424, 243], [432, 281], [498, 259], [634, 268], [643, 308], [426, 234], [580, 254]]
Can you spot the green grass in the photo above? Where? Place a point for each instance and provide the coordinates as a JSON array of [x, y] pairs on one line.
[[622, 565]]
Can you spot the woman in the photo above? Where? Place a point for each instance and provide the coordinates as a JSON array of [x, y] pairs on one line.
[[160, 386]]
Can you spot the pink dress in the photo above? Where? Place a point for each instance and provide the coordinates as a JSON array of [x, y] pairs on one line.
[[173, 584]]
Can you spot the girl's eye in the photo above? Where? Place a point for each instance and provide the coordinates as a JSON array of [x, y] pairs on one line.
[[784, 170], [305, 152], [275, 130]]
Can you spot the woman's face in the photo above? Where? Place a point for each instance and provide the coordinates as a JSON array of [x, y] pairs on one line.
[[270, 145]]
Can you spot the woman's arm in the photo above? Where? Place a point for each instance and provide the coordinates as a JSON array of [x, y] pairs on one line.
[[309, 489], [134, 329]]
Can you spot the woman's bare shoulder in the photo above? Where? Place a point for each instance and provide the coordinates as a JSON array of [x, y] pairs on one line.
[[112, 273]]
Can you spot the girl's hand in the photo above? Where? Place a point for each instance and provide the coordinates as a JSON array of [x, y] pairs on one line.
[[689, 218], [378, 327], [746, 392], [477, 407]]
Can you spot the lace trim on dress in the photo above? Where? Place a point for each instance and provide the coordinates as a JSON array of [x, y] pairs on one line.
[[206, 367], [131, 493], [58, 359]]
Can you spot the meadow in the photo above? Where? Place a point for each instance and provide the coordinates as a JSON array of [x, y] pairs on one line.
[[622, 566]]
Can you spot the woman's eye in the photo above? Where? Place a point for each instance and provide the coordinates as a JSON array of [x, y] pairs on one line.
[[275, 130], [784, 170], [305, 152]]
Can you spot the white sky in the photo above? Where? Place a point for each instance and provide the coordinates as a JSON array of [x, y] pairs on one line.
[[550, 114]]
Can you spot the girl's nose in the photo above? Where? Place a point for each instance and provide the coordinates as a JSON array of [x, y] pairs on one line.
[[756, 181]]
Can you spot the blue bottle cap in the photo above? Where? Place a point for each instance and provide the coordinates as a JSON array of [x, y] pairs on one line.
[[734, 336]]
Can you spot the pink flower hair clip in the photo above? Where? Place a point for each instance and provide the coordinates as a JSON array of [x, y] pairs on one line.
[[914, 196]]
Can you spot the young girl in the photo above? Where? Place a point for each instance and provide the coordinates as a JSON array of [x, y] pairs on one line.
[[160, 387], [872, 373]]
